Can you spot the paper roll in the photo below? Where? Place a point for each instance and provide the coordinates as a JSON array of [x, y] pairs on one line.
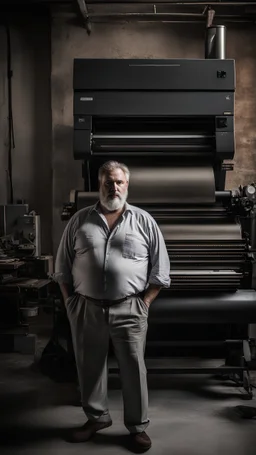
[[176, 185], [201, 230]]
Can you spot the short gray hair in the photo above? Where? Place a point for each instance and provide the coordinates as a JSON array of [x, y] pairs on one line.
[[110, 166]]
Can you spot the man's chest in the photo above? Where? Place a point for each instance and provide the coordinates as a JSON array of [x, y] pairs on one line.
[[121, 240]]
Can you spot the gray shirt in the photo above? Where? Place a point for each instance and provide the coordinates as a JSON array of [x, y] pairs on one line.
[[106, 264]]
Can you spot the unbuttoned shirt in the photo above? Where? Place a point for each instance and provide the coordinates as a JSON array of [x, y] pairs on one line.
[[111, 264]]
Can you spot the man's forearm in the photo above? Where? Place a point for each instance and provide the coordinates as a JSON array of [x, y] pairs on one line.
[[65, 290], [151, 293]]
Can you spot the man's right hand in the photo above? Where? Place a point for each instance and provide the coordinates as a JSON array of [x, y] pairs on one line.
[[66, 291]]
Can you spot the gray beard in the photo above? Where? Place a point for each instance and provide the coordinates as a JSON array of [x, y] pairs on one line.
[[113, 204]]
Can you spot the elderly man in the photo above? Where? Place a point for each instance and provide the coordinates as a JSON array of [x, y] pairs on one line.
[[111, 264]]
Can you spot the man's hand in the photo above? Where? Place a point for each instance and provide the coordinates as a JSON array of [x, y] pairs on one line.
[[151, 293], [66, 300], [147, 302], [66, 291]]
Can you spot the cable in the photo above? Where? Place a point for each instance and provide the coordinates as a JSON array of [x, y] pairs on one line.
[[11, 143]]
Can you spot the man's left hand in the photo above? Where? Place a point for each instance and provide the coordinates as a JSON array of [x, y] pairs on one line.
[[150, 294], [147, 303]]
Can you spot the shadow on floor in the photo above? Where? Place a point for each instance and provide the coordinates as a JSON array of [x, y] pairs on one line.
[[22, 436]]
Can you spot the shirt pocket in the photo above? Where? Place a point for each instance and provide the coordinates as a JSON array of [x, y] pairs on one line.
[[134, 247], [84, 243]]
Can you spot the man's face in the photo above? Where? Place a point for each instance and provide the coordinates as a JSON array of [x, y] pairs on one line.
[[113, 190]]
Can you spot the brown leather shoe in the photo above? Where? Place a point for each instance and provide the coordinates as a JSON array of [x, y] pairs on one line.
[[246, 412], [141, 441], [88, 430]]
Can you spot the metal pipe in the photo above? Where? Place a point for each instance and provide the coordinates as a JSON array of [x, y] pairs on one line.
[[171, 2], [115, 11], [150, 136], [220, 195], [168, 19], [85, 15], [154, 15], [137, 14], [232, 19], [215, 43]]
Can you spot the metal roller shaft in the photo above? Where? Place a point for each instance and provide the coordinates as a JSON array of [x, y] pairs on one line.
[[235, 307]]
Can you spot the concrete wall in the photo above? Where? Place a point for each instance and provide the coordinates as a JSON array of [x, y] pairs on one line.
[[32, 168], [242, 47], [134, 40]]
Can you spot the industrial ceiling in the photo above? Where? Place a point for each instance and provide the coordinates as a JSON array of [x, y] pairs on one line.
[[200, 11]]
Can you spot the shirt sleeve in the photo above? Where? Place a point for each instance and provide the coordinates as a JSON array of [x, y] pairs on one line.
[[66, 254], [160, 262]]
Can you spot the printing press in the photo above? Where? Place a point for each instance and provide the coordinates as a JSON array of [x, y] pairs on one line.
[[172, 123]]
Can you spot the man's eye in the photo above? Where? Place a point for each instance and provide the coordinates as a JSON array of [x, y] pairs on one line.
[[109, 182]]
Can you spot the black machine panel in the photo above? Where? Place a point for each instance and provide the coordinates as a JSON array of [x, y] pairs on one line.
[[153, 74], [157, 103], [169, 110]]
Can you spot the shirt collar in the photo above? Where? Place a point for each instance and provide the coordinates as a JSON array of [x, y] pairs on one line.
[[128, 207]]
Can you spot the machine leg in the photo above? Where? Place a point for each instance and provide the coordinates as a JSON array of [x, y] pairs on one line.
[[247, 385], [241, 357], [246, 374]]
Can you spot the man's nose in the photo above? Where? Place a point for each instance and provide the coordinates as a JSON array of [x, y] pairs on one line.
[[114, 186]]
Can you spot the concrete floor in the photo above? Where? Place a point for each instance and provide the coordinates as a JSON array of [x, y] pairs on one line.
[[189, 415]]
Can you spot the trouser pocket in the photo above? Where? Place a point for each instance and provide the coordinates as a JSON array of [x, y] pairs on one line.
[[143, 304]]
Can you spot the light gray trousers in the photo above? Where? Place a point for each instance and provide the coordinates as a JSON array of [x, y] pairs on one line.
[[91, 327]]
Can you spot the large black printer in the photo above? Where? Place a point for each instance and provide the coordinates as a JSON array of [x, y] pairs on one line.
[[172, 123]]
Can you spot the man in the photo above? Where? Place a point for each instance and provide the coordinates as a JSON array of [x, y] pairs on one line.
[[111, 264]]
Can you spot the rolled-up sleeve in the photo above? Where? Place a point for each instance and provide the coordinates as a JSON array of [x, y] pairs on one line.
[[160, 263], [66, 254]]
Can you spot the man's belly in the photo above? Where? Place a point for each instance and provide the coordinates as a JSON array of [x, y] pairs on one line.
[[112, 278]]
